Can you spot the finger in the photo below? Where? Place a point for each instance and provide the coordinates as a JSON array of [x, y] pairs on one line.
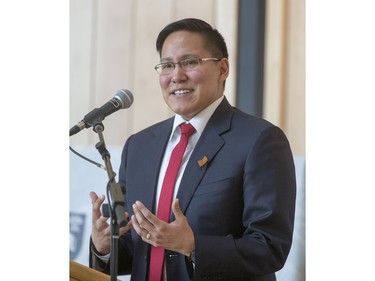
[[93, 197], [104, 221], [95, 200], [146, 219], [96, 204], [136, 226], [139, 215], [142, 226], [126, 228]]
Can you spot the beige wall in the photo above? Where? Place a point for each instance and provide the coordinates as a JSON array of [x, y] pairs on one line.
[[284, 83], [112, 46]]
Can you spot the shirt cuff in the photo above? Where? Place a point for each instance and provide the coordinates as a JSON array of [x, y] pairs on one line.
[[104, 258]]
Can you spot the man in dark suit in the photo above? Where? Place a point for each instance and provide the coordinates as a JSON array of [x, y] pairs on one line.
[[233, 201]]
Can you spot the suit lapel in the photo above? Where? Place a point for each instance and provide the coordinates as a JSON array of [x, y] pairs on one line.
[[207, 147], [153, 155]]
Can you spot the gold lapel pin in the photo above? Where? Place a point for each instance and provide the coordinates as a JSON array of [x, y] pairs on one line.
[[203, 161]]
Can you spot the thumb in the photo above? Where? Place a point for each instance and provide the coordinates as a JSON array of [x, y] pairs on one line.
[[176, 209]]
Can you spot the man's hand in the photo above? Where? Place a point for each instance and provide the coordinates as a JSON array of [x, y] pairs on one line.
[[176, 236], [101, 230]]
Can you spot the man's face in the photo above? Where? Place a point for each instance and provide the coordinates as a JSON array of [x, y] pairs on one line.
[[189, 92]]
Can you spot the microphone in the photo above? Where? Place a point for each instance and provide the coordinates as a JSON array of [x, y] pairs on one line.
[[122, 99]]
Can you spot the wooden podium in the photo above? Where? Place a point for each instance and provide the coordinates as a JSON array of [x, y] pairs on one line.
[[79, 272]]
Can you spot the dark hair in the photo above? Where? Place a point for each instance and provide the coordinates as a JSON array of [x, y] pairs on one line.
[[214, 41]]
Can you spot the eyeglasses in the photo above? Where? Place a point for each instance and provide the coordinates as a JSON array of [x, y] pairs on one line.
[[166, 68]]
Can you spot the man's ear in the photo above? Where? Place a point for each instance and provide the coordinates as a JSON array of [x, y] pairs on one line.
[[224, 69]]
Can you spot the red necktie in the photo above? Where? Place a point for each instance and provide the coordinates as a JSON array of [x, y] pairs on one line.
[[165, 200]]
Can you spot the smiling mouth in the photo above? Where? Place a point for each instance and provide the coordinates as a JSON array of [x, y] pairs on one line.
[[181, 92]]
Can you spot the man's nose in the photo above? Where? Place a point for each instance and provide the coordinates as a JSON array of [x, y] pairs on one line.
[[178, 73]]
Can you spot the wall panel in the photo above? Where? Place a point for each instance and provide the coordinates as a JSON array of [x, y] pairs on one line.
[[284, 80], [110, 72], [150, 18], [81, 13], [295, 77]]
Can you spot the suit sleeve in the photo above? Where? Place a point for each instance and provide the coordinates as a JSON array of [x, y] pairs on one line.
[[269, 190]]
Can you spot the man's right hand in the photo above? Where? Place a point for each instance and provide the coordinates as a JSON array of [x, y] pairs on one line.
[[101, 230]]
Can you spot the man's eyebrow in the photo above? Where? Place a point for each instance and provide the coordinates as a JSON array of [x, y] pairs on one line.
[[182, 58], [165, 60]]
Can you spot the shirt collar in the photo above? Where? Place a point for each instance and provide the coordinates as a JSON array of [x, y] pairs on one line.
[[200, 120]]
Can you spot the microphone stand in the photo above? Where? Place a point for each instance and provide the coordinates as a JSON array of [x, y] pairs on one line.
[[115, 196]]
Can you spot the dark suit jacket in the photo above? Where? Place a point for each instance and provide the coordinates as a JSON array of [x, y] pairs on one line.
[[240, 205]]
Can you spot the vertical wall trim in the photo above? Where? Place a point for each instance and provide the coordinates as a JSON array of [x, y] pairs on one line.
[[93, 59], [283, 73], [251, 56]]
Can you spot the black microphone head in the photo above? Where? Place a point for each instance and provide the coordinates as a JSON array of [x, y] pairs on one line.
[[125, 97]]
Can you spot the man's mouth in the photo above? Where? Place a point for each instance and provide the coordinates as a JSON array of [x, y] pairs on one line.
[[181, 92]]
